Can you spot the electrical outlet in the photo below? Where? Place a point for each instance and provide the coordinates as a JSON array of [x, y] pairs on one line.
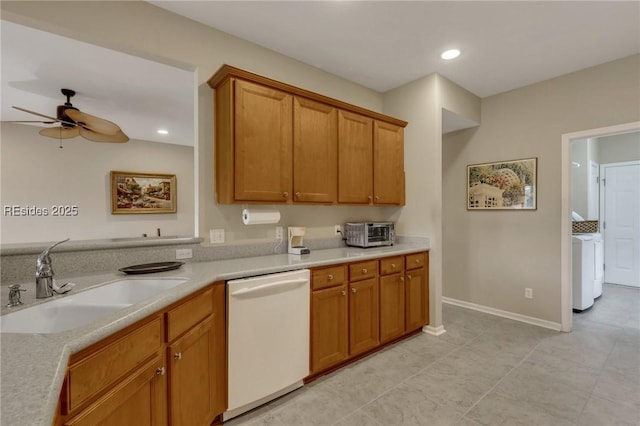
[[184, 254], [528, 293], [279, 233], [216, 236], [338, 229]]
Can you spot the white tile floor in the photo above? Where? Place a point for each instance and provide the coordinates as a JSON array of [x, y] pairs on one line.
[[485, 370]]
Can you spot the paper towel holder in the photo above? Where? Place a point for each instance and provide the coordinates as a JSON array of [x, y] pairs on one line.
[[259, 215]]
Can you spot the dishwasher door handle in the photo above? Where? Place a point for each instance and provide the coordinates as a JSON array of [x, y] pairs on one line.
[[271, 287]]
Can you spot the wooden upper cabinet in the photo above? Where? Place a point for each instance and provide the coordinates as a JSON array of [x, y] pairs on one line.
[[388, 163], [355, 158], [277, 143], [262, 143], [315, 151]]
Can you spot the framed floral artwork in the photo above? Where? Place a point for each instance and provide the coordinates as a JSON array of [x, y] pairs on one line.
[[504, 185]]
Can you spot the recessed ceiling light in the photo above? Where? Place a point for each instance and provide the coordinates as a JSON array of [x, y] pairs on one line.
[[163, 131], [450, 54]]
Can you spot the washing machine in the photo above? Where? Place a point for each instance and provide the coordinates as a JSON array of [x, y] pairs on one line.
[[583, 256], [598, 265]]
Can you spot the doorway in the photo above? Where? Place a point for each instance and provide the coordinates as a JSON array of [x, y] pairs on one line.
[[566, 208]]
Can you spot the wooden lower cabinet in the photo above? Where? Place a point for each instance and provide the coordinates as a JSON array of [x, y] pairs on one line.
[[139, 400], [352, 318], [329, 327], [195, 359], [192, 377], [126, 379], [344, 318], [416, 299], [363, 316], [392, 307]]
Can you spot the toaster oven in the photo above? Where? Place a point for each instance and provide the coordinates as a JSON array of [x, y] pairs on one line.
[[369, 234]]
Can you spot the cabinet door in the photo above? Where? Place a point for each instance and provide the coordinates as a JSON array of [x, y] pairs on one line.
[[263, 135], [328, 327], [193, 376], [391, 307], [416, 301], [315, 151], [388, 163], [363, 316], [355, 158], [139, 400]]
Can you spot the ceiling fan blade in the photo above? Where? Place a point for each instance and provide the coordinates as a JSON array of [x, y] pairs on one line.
[[54, 119], [28, 121], [93, 123], [60, 132], [119, 137]]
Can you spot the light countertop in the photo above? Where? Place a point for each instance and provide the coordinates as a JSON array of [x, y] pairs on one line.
[[33, 365]]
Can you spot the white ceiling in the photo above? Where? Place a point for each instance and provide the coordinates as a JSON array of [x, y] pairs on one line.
[[139, 95], [384, 44], [380, 45]]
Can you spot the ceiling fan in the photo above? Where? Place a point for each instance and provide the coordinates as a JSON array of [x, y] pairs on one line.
[[74, 122]]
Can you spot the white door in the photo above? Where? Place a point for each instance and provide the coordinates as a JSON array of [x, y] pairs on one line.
[[622, 223]]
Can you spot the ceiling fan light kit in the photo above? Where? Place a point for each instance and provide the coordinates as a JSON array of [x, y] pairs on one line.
[[74, 122]]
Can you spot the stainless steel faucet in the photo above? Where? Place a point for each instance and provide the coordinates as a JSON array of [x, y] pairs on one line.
[[44, 273]]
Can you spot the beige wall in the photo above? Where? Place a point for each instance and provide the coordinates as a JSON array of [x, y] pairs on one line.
[[421, 103], [458, 100], [491, 256], [36, 172], [619, 148], [153, 33]]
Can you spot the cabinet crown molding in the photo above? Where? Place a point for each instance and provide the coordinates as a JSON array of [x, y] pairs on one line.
[[227, 71]]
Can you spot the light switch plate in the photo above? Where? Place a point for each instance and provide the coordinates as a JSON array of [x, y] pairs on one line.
[[216, 236]]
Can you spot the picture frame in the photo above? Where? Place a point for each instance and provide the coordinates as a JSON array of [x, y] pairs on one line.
[[143, 193], [503, 185]]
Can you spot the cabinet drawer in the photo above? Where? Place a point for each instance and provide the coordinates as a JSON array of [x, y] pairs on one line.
[[417, 260], [328, 277], [391, 265], [188, 314], [363, 270], [108, 365]]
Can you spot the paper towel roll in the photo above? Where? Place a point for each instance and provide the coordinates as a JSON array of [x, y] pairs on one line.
[[260, 216]]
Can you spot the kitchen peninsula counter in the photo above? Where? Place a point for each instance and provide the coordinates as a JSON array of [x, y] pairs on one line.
[[33, 365]]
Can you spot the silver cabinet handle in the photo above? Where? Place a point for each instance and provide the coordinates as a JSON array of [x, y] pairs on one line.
[[409, 276], [369, 197], [286, 194], [344, 293], [417, 260], [401, 279], [393, 266], [160, 371], [297, 195], [364, 270], [353, 290], [329, 277], [177, 355], [377, 197]]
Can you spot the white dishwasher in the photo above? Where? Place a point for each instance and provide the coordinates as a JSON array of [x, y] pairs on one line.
[[268, 338]]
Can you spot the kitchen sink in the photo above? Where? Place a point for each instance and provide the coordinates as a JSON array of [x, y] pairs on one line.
[[78, 309]]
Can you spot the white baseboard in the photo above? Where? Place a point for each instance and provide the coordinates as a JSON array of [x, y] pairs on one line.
[[505, 314], [434, 331]]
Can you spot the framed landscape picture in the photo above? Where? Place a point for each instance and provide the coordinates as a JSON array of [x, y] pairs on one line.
[[135, 193], [504, 185]]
